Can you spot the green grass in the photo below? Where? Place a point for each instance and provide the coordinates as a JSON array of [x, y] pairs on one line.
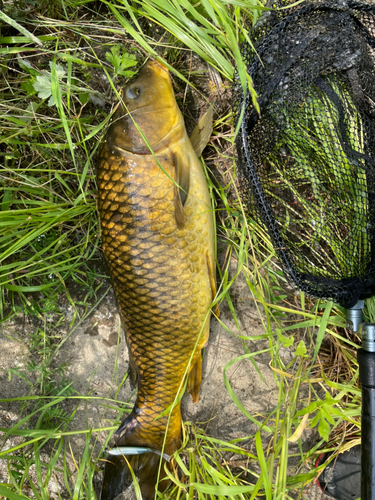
[[55, 105]]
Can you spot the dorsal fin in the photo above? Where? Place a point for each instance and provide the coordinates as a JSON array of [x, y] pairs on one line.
[[202, 132]]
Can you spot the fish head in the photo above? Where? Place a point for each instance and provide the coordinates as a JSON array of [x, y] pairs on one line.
[[149, 104]]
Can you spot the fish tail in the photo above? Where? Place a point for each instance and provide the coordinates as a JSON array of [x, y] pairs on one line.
[[118, 477]]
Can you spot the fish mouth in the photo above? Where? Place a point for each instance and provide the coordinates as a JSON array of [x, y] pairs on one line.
[[158, 67]]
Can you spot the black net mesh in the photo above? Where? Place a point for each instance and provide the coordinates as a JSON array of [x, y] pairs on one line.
[[307, 161]]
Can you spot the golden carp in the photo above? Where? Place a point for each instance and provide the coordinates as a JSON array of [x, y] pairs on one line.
[[158, 240]]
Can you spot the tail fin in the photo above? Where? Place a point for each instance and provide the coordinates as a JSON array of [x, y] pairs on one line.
[[118, 478], [117, 475]]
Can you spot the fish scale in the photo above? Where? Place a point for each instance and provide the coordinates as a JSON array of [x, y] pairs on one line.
[[160, 252]]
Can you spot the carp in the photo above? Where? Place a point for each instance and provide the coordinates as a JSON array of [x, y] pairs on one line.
[[158, 241]]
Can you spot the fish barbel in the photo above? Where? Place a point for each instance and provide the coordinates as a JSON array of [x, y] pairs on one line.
[[158, 241]]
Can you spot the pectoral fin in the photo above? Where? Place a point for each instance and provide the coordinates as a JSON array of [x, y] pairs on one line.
[[211, 274], [202, 132], [181, 188]]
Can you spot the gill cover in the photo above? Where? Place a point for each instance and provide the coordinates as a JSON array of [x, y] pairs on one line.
[[150, 103]]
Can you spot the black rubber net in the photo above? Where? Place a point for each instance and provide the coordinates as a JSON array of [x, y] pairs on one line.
[[306, 163]]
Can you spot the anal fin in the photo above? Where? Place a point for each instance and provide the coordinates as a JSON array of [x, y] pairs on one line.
[[195, 379]]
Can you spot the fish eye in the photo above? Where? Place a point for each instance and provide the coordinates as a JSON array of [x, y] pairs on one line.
[[133, 92]]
